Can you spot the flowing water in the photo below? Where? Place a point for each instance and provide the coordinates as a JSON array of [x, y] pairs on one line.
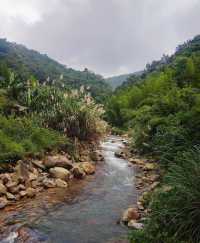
[[87, 212]]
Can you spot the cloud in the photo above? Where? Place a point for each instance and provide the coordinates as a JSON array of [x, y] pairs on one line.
[[107, 36]]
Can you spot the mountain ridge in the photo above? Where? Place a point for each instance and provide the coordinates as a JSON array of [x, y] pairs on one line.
[[27, 62]]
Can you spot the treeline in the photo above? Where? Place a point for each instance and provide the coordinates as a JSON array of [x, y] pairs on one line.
[[25, 63], [161, 109], [36, 117]]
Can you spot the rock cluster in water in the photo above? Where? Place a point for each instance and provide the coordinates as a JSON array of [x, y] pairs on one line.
[[32, 176]]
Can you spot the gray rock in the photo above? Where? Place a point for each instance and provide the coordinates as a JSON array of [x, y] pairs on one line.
[[61, 183], [78, 172], [58, 161], [130, 214], [31, 192], [10, 196], [3, 202], [3, 189], [49, 183], [60, 173], [135, 225]]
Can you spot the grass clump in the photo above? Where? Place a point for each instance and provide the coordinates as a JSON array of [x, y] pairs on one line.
[[20, 137]]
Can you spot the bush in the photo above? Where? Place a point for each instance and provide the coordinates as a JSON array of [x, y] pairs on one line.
[[20, 137], [73, 113]]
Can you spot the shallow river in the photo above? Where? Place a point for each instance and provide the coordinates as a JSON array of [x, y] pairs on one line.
[[85, 213]]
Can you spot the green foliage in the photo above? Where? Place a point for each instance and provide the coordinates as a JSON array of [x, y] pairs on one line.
[[21, 136], [33, 115], [73, 113], [176, 212], [162, 109]]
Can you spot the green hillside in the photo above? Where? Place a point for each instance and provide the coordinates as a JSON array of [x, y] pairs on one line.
[[116, 81], [122, 80], [161, 111], [26, 63]]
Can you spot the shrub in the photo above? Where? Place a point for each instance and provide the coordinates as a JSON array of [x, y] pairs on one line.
[[73, 113], [20, 137]]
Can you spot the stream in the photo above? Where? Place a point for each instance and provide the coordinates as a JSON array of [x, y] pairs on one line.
[[87, 212]]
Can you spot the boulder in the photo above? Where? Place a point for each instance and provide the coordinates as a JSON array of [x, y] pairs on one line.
[[88, 168], [3, 202], [96, 156], [21, 172], [150, 166], [61, 183], [124, 142], [135, 225], [5, 178], [10, 196], [22, 193], [78, 172], [3, 189], [12, 187], [36, 183], [49, 183], [84, 158], [140, 206], [60, 173], [32, 177], [130, 214], [30, 192], [58, 161], [21, 187]]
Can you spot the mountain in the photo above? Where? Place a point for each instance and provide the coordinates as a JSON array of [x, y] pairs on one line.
[[116, 81], [187, 49], [25, 63]]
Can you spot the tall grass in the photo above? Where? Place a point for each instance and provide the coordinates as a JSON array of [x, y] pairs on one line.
[[176, 212], [73, 113]]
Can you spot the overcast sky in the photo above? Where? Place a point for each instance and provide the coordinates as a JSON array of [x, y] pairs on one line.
[[107, 36]]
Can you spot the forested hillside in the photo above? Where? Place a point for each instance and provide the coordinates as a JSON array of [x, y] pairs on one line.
[[43, 105], [122, 80], [26, 63], [161, 110], [116, 81]]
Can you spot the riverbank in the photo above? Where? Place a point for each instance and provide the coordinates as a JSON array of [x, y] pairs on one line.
[[147, 179], [28, 177], [86, 211]]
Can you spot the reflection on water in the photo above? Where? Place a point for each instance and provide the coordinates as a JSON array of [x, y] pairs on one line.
[[89, 210]]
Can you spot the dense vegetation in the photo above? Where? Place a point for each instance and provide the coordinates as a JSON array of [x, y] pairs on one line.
[[36, 117], [26, 63], [161, 109]]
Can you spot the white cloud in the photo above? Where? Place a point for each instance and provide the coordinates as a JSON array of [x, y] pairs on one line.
[[107, 36]]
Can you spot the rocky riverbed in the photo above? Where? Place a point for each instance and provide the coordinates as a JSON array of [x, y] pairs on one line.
[[31, 176], [68, 209]]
